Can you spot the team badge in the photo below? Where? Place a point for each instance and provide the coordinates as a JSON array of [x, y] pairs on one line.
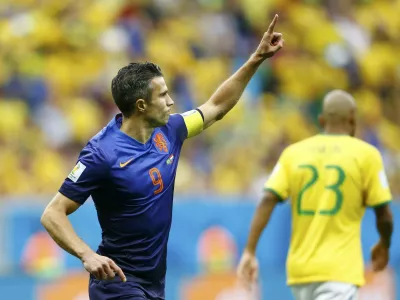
[[160, 143]]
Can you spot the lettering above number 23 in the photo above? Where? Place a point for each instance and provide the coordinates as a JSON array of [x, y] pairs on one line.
[[156, 178]]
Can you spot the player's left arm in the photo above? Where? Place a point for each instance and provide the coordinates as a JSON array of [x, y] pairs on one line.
[[229, 93]]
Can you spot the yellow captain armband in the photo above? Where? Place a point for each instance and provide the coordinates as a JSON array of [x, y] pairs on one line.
[[194, 122]]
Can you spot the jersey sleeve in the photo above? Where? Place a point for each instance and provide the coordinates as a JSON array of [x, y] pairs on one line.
[[188, 124], [376, 186], [278, 181], [86, 176]]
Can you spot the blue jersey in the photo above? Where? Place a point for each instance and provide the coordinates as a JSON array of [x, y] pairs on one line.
[[132, 186]]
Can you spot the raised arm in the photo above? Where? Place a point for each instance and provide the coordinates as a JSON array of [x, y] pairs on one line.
[[229, 93]]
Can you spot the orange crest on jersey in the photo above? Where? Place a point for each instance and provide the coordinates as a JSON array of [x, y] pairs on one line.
[[160, 142]]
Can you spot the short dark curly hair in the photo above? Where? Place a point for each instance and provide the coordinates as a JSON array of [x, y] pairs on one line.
[[133, 82]]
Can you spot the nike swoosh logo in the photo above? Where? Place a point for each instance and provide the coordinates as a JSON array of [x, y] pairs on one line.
[[122, 165]]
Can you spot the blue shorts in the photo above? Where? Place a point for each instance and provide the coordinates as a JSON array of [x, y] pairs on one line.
[[116, 289]]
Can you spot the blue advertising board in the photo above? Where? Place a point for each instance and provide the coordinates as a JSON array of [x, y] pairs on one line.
[[206, 240]]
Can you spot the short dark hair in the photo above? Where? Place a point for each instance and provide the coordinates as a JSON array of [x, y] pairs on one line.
[[133, 82]]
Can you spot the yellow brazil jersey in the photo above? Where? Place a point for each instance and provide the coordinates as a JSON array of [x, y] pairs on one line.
[[329, 179]]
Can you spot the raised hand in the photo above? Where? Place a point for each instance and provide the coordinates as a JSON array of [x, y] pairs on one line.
[[271, 42], [102, 267]]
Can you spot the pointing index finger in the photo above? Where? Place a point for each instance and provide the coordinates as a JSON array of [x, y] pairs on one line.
[[272, 25]]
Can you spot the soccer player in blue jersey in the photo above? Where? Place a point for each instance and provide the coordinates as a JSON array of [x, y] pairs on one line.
[[129, 170]]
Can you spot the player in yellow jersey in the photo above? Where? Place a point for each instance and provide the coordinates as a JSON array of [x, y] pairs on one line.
[[330, 178]]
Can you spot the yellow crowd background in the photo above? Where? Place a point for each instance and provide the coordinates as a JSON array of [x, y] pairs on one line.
[[57, 59]]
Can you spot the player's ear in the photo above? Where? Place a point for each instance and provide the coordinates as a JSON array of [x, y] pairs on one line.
[[141, 105]]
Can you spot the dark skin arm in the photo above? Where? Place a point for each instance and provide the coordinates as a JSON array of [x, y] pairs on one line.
[[384, 225], [248, 266]]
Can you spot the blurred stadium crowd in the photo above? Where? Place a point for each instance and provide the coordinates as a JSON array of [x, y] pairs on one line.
[[57, 59]]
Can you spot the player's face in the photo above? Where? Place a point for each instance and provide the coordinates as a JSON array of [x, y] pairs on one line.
[[159, 108]]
